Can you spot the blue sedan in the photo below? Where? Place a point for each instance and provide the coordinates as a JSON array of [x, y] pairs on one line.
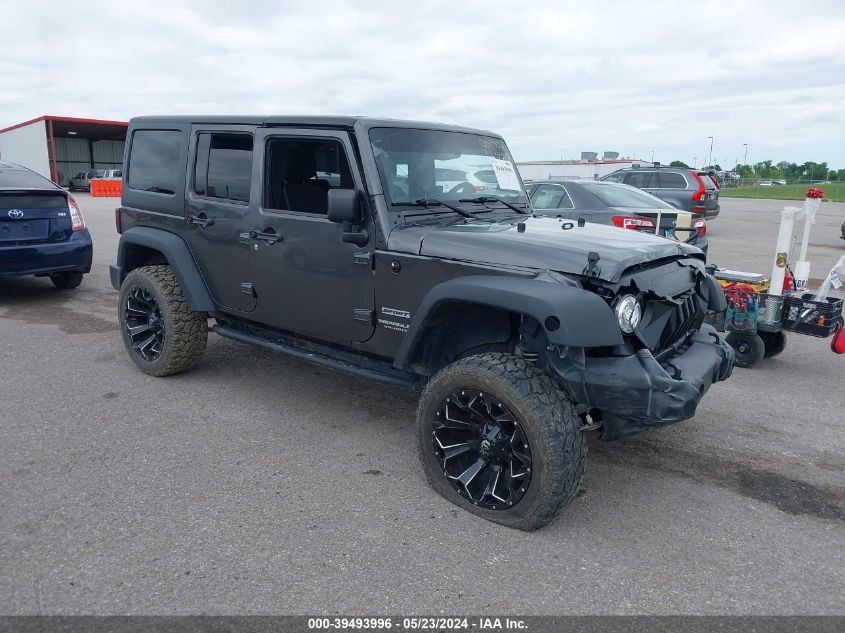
[[42, 231]]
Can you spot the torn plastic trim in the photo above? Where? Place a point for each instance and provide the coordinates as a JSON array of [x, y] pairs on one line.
[[635, 393]]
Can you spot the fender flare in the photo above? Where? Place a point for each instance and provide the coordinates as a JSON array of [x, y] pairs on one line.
[[178, 256], [586, 320]]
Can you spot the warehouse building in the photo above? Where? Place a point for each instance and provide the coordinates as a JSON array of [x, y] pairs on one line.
[[60, 147], [590, 167]]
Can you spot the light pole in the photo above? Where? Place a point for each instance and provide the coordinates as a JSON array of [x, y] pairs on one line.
[[710, 156], [745, 160], [652, 157], [695, 162]]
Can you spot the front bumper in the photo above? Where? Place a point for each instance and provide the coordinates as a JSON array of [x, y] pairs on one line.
[[635, 393], [73, 255]]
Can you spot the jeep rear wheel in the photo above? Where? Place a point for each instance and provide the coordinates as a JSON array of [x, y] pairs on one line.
[[497, 438], [162, 335]]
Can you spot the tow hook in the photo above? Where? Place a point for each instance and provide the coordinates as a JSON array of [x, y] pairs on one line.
[[588, 423]]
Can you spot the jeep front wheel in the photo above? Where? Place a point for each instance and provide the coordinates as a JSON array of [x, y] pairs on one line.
[[162, 335], [497, 438]]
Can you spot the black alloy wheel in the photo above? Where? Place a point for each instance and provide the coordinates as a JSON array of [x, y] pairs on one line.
[[144, 323], [484, 453]]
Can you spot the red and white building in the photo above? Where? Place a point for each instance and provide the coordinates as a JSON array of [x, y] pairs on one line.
[[579, 169], [59, 147]]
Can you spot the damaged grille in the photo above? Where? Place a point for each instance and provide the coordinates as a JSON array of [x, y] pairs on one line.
[[667, 323]]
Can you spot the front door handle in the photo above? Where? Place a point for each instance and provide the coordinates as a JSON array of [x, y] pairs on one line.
[[268, 235], [201, 220]]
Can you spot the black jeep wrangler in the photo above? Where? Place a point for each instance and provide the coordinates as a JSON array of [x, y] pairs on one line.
[[408, 253]]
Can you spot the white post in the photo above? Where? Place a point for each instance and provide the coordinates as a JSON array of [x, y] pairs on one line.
[[802, 266], [787, 223]]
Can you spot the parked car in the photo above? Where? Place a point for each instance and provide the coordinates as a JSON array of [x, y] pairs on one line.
[[618, 205], [688, 189], [110, 174], [843, 231], [82, 180], [766, 183], [521, 333], [42, 231]]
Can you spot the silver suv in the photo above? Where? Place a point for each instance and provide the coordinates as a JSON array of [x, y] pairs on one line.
[[82, 180], [688, 189]]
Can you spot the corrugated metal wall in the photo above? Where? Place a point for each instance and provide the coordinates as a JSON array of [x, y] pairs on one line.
[[73, 155], [108, 154]]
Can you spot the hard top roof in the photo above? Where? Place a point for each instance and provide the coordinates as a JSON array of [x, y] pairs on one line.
[[302, 121]]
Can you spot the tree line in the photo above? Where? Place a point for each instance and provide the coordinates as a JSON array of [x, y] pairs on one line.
[[783, 169]]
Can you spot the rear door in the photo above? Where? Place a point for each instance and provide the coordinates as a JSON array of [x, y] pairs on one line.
[[218, 212], [674, 188]]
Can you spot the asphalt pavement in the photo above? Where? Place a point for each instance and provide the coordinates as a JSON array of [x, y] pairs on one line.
[[257, 484]]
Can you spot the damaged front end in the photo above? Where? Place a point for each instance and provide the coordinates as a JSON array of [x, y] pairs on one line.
[[668, 360]]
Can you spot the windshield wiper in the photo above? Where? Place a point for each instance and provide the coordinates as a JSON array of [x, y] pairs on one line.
[[430, 202], [486, 199]]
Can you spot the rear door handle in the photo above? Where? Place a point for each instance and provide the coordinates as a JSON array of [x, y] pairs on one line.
[[201, 220]]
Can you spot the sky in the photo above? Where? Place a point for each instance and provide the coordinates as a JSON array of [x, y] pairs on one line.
[[554, 78]]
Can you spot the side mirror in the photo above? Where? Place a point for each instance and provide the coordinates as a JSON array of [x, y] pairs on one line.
[[344, 206]]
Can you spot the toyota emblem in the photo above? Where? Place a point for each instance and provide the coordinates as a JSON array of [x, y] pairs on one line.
[[15, 214]]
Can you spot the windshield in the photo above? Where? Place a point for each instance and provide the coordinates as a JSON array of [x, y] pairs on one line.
[[442, 165], [624, 196]]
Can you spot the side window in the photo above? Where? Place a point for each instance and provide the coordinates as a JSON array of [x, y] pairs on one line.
[[641, 179], [565, 201], [154, 160], [223, 167], [548, 196], [672, 180], [298, 173], [619, 176]]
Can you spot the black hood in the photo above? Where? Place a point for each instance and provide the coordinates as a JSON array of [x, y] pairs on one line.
[[543, 245]]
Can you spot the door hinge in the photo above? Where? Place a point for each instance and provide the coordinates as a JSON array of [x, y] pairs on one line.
[[363, 258], [365, 315], [248, 289]]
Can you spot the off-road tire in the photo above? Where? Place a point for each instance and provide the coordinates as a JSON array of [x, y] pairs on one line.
[[749, 348], [186, 332], [66, 280], [773, 342], [548, 419]]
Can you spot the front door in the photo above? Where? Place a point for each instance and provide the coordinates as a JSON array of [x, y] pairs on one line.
[[218, 212], [307, 280]]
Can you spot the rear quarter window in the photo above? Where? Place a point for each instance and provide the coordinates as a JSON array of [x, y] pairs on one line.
[[671, 180], [154, 161]]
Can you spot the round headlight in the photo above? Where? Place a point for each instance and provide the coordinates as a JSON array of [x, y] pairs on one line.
[[628, 313]]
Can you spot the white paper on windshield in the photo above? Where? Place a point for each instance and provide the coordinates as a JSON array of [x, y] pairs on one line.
[[505, 174]]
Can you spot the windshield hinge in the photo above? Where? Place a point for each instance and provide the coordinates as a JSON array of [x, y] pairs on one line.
[[364, 258]]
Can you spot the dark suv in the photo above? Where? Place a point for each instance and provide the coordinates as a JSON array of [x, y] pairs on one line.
[[42, 231], [330, 239], [688, 189]]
